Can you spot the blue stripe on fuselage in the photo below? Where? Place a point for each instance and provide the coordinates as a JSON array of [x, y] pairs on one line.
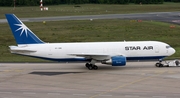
[[146, 58]]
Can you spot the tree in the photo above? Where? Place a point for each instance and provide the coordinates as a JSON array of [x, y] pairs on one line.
[[7, 2], [175, 0]]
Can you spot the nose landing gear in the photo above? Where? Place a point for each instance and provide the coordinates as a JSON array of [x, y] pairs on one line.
[[159, 64], [168, 63]]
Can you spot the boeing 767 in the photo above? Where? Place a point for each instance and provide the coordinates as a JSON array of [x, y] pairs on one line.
[[113, 53]]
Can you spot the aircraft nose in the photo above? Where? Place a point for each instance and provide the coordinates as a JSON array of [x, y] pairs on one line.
[[172, 51]]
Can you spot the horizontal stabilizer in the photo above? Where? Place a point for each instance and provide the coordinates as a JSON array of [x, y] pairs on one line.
[[20, 49]]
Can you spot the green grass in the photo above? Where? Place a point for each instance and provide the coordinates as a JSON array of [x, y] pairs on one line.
[[88, 9], [90, 31]]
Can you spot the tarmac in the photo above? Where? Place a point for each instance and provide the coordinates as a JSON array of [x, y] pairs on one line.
[[74, 80]]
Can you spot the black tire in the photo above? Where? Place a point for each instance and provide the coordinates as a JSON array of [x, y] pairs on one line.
[[95, 67], [177, 62], [90, 67], [160, 65], [157, 64], [87, 65]]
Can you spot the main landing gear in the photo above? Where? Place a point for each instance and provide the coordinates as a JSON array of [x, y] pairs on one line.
[[91, 66]]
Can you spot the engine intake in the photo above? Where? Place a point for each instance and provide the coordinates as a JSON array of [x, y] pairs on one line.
[[116, 61]]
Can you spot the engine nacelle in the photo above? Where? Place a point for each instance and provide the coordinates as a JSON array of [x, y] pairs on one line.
[[116, 61]]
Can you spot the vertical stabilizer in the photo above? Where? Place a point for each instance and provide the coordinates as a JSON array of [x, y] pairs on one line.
[[22, 34]]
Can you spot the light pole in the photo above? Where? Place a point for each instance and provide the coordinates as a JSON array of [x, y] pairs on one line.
[[41, 4], [14, 4]]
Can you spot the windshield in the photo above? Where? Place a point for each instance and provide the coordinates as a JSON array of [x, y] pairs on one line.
[[168, 47]]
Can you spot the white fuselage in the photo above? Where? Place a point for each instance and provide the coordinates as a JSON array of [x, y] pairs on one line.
[[132, 50]]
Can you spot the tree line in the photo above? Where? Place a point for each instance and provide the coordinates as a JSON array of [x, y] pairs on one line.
[[57, 2]]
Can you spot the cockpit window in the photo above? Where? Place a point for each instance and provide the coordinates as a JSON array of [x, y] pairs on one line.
[[168, 47]]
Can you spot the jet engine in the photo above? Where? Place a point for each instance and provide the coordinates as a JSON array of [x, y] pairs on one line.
[[116, 61]]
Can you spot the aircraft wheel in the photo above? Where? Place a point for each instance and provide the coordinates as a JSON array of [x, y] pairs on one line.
[[160, 65], [95, 67], [157, 64], [90, 67], [87, 65]]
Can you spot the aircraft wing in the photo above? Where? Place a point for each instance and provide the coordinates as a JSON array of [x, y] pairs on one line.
[[95, 56]]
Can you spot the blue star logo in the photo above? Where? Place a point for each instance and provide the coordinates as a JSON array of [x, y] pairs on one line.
[[23, 29]]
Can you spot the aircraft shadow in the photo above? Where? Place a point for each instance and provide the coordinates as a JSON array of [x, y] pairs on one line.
[[101, 68], [52, 73]]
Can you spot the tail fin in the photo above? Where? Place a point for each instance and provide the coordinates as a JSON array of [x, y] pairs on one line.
[[22, 34]]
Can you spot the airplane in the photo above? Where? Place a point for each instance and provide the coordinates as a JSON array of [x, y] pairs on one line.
[[112, 53]]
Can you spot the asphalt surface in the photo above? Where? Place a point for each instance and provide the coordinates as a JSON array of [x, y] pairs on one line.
[[74, 80], [172, 17]]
